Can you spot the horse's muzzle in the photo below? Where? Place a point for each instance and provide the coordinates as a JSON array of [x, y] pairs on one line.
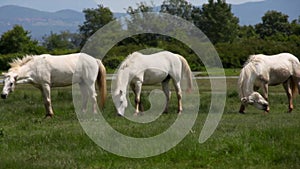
[[4, 96], [266, 107]]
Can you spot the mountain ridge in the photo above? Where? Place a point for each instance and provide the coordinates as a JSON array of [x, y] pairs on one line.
[[245, 11], [41, 23]]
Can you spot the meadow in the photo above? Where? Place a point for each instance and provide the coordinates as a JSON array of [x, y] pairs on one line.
[[253, 140]]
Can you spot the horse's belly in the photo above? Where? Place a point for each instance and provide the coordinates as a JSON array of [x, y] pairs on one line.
[[153, 76], [279, 76], [60, 81]]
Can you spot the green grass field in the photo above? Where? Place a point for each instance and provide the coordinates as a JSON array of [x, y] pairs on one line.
[[253, 140]]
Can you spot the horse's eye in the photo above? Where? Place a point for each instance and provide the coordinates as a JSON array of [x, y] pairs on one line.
[[121, 102], [11, 84]]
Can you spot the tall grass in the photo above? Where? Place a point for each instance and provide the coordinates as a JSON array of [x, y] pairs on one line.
[[253, 140]]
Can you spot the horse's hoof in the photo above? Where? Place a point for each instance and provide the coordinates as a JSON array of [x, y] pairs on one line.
[[241, 112], [49, 116], [266, 112], [138, 113], [119, 115]]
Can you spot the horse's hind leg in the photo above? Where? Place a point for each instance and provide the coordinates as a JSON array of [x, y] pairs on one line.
[[84, 95], [288, 90], [179, 95], [93, 95], [46, 92], [165, 87]]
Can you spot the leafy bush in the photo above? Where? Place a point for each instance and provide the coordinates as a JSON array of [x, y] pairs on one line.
[[5, 59], [234, 55]]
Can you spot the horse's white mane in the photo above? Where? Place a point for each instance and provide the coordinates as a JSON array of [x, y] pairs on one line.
[[251, 58], [248, 68], [20, 61], [129, 60]]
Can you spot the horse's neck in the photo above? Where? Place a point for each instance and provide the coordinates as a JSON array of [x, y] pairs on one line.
[[123, 79], [248, 82], [24, 71]]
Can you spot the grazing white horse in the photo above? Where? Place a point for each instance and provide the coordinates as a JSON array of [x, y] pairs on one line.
[[261, 71], [46, 71], [139, 69]]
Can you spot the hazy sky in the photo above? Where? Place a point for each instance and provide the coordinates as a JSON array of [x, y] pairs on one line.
[[114, 5]]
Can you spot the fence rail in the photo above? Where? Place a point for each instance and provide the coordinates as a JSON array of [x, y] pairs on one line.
[[111, 77]]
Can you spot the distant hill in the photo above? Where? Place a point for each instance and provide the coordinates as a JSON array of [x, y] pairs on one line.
[[38, 22], [251, 13]]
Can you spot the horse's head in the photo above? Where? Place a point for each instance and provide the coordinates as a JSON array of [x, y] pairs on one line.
[[256, 100], [9, 83], [120, 101]]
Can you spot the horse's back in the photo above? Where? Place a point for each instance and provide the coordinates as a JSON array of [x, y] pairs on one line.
[[155, 67], [278, 58], [59, 70], [163, 60]]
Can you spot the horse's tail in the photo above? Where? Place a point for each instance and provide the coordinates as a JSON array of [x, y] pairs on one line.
[[101, 82], [186, 70], [294, 86], [241, 83], [295, 78]]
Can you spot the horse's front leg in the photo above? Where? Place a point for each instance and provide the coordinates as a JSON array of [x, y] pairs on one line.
[[46, 92], [137, 89], [242, 109], [265, 90], [288, 90]]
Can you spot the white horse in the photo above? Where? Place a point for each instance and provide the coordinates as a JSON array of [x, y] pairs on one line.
[[46, 71], [261, 71], [139, 69]]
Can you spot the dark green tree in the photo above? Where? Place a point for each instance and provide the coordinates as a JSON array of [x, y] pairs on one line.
[[138, 21], [94, 20], [141, 7], [180, 8], [273, 23], [18, 40], [247, 32], [62, 41], [295, 27], [217, 21]]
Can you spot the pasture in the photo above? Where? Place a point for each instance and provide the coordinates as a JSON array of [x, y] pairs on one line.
[[253, 140]]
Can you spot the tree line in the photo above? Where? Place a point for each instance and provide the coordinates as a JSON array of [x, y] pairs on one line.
[[234, 43]]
